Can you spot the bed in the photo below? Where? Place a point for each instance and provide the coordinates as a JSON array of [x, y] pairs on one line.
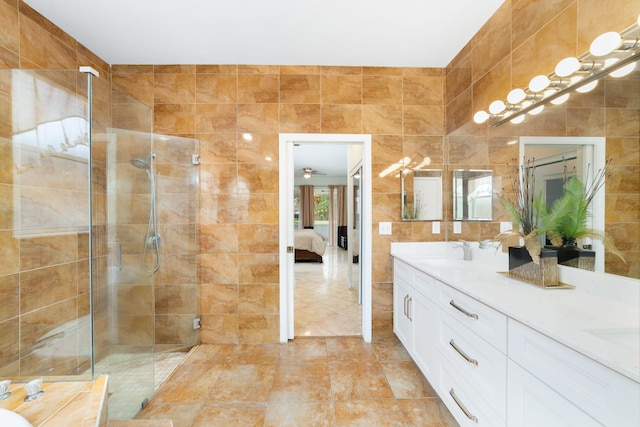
[[309, 245]]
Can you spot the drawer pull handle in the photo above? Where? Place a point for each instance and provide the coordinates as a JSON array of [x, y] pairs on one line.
[[462, 353], [406, 297], [462, 407], [462, 310], [409, 314]]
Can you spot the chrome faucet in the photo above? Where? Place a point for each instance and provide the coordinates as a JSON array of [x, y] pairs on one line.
[[484, 244], [466, 247]]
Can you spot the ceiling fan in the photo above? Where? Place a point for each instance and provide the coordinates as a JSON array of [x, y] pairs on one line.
[[308, 172]]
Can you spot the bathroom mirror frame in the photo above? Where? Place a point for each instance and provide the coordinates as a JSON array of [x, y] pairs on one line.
[[421, 193], [461, 180]]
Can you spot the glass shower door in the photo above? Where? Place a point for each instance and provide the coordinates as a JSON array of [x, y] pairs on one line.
[[152, 201]]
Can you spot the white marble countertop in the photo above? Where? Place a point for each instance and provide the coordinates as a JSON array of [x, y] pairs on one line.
[[599, 319]]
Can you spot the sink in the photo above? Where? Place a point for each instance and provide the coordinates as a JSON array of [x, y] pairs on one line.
[[628, 338], [10, 418]]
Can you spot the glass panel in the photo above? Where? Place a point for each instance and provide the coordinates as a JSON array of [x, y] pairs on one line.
[[44, 224], [152, 200]]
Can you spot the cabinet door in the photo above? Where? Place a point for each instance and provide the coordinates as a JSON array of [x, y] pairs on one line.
[[532, 403], [422, 310], [401, 321]]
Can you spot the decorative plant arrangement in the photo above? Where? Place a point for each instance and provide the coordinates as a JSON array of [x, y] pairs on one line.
[[415, 211], [528, 211], [565, 222], [571, 211]]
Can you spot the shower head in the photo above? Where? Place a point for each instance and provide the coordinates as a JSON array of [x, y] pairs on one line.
[[141, 163]]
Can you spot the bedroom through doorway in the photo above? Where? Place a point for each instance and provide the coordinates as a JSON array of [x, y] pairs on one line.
[[325, 259], [326, 301]]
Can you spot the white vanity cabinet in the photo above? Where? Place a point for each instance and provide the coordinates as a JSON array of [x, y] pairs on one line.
[[413, 315], [495, 360], [448, 334], [471, 350]]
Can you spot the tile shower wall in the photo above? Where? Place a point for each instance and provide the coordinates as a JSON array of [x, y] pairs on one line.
[[44, 279], [525, 38], [237, 111]]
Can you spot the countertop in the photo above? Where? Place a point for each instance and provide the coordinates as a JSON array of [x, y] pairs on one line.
[[600, 318]]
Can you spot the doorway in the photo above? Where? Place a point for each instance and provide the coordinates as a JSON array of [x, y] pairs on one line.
[[360, 149]]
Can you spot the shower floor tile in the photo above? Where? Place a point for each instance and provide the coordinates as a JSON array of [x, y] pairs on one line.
[[134, 378]]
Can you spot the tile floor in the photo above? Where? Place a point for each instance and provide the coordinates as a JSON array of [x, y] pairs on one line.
[[326, 377], [323, 303], [339, 381]]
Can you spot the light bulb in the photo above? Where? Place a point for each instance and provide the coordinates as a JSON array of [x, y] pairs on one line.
[[610, 61], [516, 95], [605, 43], [497, 107], [621, 72], [537, 110], [518, 119], [588, 87], [567, 66], [539, 83], [481, 117], [576, 79], [307, 175], [561, 99]]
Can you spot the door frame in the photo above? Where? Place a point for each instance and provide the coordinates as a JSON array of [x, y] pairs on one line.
[[286, 182]]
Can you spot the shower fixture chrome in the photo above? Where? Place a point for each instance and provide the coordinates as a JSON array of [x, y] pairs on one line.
[[152, 239]]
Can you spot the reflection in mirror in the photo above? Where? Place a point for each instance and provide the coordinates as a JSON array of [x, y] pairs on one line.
[[355, 237], [553, 160], [472, 195], [422, 194]]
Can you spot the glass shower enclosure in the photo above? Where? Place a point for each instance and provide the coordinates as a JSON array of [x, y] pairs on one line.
[[98, 269]]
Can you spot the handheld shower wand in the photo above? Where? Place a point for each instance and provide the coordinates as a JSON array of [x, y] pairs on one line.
[[152, 239]]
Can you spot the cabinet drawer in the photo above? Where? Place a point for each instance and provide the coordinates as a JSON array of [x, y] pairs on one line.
[[486, 322], [532, 403], [464, 403], [402, 270], [481, 364], [424, 284], [604, 394]]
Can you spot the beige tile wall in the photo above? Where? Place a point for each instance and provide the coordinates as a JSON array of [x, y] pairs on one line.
[[218, 104], [525, 38]]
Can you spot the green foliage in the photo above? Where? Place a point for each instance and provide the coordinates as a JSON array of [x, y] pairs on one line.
[[321, 206], [571, 212]]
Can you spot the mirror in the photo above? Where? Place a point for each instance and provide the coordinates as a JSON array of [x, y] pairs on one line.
[[355, 238], [472, 195], [421, 194], [556, 157]]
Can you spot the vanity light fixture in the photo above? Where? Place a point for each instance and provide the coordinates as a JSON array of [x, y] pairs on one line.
[[588, 87], [516, 96], [539, 83], [497, 107], [612, 53]]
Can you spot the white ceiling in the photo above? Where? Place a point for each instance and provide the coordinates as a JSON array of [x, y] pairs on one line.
[[329, 159], [399, 33]]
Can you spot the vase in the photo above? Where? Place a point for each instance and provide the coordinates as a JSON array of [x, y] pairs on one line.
[[572, 255], [522, 267]]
